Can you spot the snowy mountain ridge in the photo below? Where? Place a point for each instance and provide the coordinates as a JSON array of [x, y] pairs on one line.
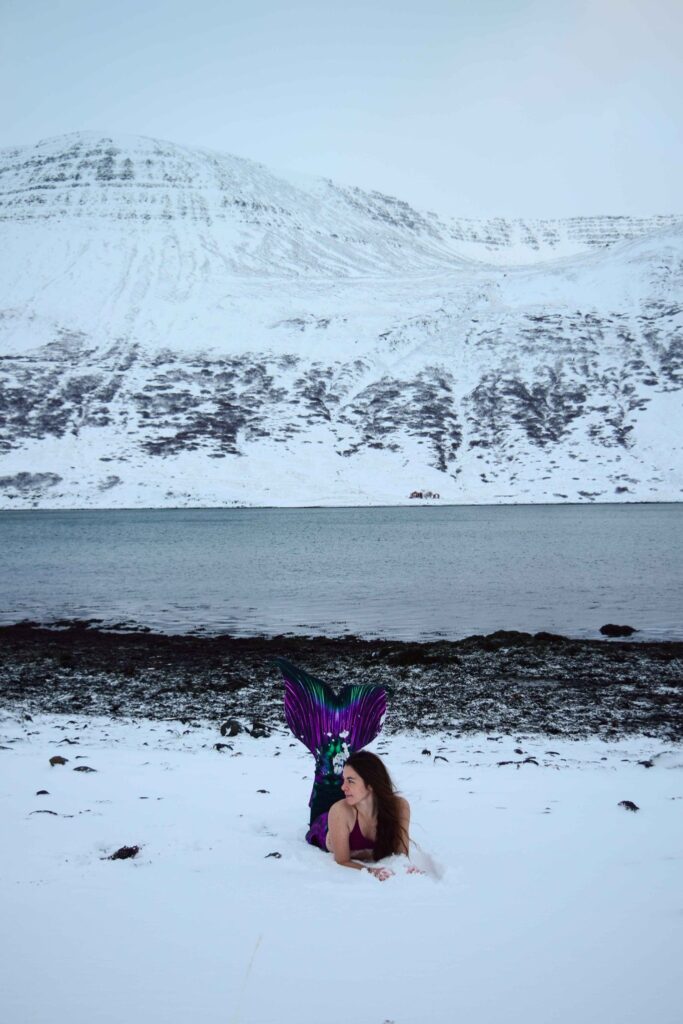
[[182, 327], [130, 178]]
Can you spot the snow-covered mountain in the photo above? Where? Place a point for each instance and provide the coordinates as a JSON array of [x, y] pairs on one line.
[[185, 327]]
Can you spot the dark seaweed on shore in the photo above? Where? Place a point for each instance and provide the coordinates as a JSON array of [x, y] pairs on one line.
[[506, 682]]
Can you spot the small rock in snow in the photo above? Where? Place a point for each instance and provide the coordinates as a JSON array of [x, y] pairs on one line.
[[259, 730], [124, 852], [628, 805], [57, 759], [527, 760]]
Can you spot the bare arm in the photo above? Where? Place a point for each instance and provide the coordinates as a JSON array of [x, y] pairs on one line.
[[338, 832], [338, 836]]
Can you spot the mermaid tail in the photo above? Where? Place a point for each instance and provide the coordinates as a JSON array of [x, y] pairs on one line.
[[315, 713], [331, 726]]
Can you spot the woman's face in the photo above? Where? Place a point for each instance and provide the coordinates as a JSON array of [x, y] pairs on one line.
[[353, 787]]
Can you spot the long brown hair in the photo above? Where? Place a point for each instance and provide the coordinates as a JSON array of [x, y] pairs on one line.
[[391, 836]]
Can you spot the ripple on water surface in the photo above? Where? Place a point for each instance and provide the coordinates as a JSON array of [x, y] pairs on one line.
[[406, 573]]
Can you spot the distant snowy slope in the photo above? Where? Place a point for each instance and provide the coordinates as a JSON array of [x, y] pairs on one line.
[[184, 327], [529, 241], [261, 223]]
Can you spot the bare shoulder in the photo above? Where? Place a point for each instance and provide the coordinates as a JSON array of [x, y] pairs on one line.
[[340, 811]]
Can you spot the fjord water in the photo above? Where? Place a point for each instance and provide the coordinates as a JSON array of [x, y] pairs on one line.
[[406, 573]]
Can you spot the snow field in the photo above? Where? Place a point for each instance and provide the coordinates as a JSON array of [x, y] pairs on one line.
[[544, 901]]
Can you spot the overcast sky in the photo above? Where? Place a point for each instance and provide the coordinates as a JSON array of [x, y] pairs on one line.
[[477, 108]]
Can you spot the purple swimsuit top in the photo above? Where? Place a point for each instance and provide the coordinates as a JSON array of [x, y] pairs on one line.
[[357, 841]]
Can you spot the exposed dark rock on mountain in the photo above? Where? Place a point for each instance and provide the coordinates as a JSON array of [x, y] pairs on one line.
[[181, 327]]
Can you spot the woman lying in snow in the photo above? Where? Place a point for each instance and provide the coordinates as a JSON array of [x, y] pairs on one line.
[[371, 821], [356, 813]]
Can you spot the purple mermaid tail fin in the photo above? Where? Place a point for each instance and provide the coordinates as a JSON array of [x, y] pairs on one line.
[[332, 727], [316, 714]]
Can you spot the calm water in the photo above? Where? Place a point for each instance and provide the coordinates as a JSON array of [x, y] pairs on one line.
[[409, 573]]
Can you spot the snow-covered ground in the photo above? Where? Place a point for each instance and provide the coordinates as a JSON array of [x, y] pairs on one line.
[[544, 901]]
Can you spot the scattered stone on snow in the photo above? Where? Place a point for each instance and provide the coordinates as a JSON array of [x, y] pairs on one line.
[[231, 728], [440, 757], [263, 791], [573, 688], [628, 805], [54, 813], [427, 752], [222, 746], [647, 764], [58, 759], [259, 730], [84, 768], [124, 852], [273, 854], [42, 792], [527, 760]]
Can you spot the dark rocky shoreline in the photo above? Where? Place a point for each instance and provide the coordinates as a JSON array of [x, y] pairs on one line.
[[509, 683]]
